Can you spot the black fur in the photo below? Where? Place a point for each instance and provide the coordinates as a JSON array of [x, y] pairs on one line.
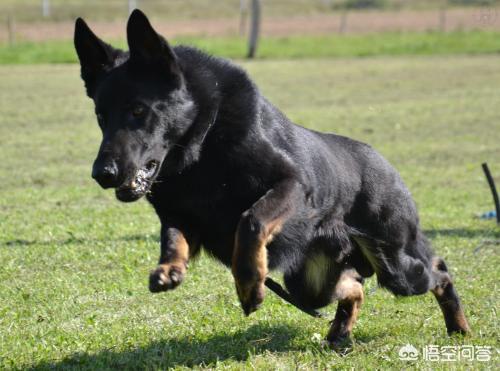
[[215, 146]]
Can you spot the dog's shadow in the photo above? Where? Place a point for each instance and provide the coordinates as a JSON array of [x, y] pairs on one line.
[[185, 352]]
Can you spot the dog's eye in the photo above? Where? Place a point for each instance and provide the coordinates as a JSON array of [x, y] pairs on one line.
[[137, 111]]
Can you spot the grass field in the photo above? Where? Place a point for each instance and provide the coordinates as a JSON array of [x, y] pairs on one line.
[[316, 46], [75, 262]]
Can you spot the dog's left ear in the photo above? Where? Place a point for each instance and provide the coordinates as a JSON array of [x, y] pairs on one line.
[[145, 43]]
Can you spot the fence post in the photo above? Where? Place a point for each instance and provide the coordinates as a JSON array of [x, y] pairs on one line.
[[11, 31], [243, 16], [254, 30], [442, 18], [343, 22], [132, 4], [46, 8]]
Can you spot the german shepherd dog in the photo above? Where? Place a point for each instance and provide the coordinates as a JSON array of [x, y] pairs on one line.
[[227, 171]]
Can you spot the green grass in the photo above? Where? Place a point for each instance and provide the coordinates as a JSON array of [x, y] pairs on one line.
[[75, 262], [385, 44]]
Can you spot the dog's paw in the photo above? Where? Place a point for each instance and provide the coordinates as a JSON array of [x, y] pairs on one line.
[[341, 344], [165, 277], [251, 296]]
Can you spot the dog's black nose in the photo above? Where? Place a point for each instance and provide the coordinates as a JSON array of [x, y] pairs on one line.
[[106, 176]]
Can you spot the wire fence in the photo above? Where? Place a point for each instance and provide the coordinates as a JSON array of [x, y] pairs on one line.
[[58, 10], [38, 20]]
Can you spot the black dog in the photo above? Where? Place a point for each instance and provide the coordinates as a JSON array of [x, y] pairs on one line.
[[226, 170]]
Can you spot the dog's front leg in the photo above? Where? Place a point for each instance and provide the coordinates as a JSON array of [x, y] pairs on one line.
[[256, 228], [174, 256]]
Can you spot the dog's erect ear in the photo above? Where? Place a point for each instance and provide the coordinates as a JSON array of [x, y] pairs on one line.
[[145, 43], [95, 55]]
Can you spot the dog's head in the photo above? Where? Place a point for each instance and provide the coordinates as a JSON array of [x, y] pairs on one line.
[[141, 103]]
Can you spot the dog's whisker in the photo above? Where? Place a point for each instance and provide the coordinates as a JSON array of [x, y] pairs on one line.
[[179, 145]]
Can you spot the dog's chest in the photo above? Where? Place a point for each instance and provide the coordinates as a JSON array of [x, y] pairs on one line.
[[212, 201]]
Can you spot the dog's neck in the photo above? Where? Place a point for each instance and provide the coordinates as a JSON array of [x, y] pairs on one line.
[[188, 150], [211, 123], [220, 109]]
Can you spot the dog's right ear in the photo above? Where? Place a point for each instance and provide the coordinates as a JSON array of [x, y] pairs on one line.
[[147, 45], [94, 54]]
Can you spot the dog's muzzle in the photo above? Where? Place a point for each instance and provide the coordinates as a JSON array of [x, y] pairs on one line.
[[139, 184], [106, 176]]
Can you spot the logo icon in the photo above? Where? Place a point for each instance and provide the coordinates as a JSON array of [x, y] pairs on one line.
[[408, 353]]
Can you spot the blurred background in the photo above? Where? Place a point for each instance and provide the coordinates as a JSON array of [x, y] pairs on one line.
[[419, 80], [224, 26]]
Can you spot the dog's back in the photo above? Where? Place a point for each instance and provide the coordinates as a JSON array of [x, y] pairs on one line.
[[353, 192]]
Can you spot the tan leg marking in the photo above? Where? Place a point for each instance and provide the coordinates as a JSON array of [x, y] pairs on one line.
[[448, 300], [350, 294], [253, 258], [170, 274]]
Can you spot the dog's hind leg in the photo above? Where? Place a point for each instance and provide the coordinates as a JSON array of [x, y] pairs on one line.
[[349, 292], [414, 270], [397, 271], [448, 299], [174, 257]]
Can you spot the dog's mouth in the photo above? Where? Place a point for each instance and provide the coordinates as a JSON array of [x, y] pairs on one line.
[[140, 184]]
